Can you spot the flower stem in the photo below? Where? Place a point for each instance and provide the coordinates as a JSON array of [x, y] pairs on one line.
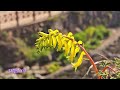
[[88, 56], [91, 60]]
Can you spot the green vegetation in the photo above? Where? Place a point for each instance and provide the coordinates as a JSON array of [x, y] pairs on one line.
[[29, 52], [62, 58], [34, 36], [4, 34], [53, 67], [92, 36], [114, 66]]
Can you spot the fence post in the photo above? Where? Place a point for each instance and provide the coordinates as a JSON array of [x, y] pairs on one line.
[[34, 16], [49, 13], [17, 18]]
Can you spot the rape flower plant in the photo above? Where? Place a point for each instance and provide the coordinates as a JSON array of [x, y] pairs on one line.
[[67, 43]]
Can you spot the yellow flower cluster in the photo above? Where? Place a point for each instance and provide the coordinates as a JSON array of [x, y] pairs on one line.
[[59, 41]]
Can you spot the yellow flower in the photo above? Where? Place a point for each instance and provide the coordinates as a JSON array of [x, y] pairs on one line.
[[77, 49], [50, 40], [78, 63], [66, 48], [54, 41], [53, 32], [42, 34], [72, 52], [80, 42], [47, 42], [50, 30], [59, 40], [56, 31], [70, 34], [69, 44]]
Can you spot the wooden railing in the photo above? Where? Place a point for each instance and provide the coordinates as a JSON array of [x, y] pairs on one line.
[[12, 19]]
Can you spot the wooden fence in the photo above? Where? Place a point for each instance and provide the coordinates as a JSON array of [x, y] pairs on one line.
[[12, 19]]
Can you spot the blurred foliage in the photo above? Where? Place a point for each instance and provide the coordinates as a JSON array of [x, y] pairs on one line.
[[63, 59], [4, 34], [29, 40], [29, 52], [17, 53], [34, 35], [92, 36], [53, 67], [30, 77]]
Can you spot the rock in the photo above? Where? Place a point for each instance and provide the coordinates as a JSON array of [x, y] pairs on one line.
[[20, 63], [42, 72], [27, 68], [39, 76], [77, 29], [35, 67], [29, 72]]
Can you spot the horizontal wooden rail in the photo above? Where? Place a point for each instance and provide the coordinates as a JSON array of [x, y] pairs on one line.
[[12, 19]]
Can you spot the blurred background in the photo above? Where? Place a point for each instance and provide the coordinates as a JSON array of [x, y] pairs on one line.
[[99, 31]]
